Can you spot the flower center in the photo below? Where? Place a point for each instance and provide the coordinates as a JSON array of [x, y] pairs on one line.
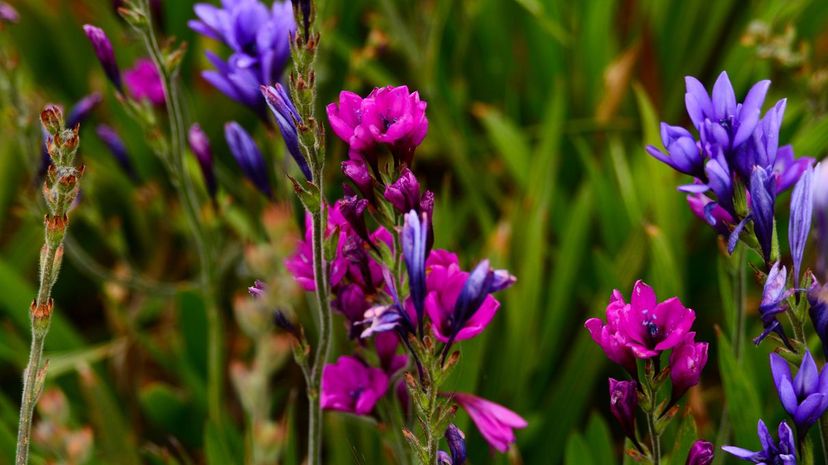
[[387, 122], [653, 331]]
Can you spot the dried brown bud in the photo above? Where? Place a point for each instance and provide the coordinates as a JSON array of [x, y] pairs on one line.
[[410, 381], [52, 118], [42, 311]]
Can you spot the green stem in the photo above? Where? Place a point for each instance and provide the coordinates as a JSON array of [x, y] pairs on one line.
[[823, 437], [740, 297], [325, 322], [188, 200], [655, 441], [29, 401]]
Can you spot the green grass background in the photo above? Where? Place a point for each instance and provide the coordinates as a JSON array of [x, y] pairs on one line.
[[539, 113]]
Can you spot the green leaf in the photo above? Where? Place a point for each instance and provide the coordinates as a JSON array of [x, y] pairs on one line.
[[742, 400], [577, 451], [508, 141], [598, 437]]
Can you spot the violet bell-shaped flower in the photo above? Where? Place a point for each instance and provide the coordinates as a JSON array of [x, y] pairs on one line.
[[799, 226], [804, 397], [106, 56], [623, 402], [200, 146], [495, 422], [683, 154], [286, 118], [687, 360], [774, 295], [349, 385], [457, 444], [414, 238], [144, 83], [762, 199], [259, 39], [248, 156], [701, 453], [782, 452]]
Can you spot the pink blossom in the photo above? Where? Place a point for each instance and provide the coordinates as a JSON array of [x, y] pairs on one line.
[[144, 82], [351, 386], [495, 422]]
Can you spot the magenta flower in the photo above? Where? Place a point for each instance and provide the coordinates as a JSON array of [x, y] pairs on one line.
[[386, 345], [351, 386], [686, 364], [495, 422], [389, 116], [608, 336], [300, 264], [650, 327], [701, 453], [444, 281], [200, 146], [8, 14], [144, 82]]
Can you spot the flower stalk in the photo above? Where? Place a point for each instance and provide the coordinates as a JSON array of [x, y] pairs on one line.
[[167, 64], [60, 190]]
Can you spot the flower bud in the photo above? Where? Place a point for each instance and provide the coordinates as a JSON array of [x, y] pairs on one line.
[[457, 444], [623, 402], [104, 52], [686, 363], [404, 193], [52, 118], [701, 453]]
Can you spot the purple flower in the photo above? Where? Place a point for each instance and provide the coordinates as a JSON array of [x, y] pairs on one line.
[[286, 118], [820, 205], [818, 311], [774, 295], [144, 82], [104, 52], [762, 198], [353, 210], [386, 345], [357, 172], [8, 14], [609, 337], [257, 290], [683, 155], [300, 264], [82, 109], [788, 169], [259, 40], [718, 116], [799, 226], [389, 116], [687, 361], [248, 156], [711, 212], [648, 327], [495, 422], [457, 444], [200, 146], [459, 304], [701, 453], [414, 238], [404, 193], [776, 453], [623, 402], [804, 397], [117, 148], [351, 386]]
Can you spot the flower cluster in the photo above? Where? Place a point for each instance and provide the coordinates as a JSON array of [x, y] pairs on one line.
[[388, 116], [259, 40], [388, 282], [782, 452], [736, 158], [644, 329], [804, 397]]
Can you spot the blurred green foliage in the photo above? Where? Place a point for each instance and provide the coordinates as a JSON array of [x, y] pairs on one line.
[[539, 112]]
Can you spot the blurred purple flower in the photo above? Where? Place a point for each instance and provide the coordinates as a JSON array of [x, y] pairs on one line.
[[818, 311], [144, 82], [248, 156], [495, 422], [117, 148], [820, 205], [106, 56], [8, 14], [804, 397], [259, 40], [351, 386], [457, 444], [776, 453], [200, 146], [82, 109], [257, 290]]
